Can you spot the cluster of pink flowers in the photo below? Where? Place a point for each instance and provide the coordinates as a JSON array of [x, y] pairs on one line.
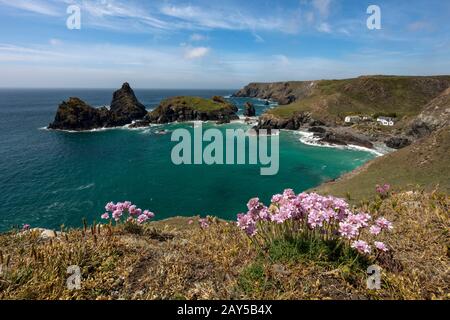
[[325, 216], [118, 210], [26, 227], [383, 191]]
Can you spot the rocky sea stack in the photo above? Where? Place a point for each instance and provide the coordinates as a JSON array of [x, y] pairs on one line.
[[249, 110], [125, 107], [77, 115]]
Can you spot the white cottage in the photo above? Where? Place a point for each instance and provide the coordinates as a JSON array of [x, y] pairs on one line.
[[352, 119], [386, 121]]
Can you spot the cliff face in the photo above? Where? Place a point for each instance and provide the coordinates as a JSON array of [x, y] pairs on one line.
[[192, 108], [435, 115], [281, 92], [76, 114], [328, 102]]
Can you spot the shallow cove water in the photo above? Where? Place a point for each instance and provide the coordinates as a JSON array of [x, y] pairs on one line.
[[51, 178]]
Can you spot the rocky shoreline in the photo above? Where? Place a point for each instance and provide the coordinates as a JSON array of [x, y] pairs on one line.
[[330, 130]]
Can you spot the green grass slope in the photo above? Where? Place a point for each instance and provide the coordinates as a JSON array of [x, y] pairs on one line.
[[334, 99], [195, 103], [425, 164]]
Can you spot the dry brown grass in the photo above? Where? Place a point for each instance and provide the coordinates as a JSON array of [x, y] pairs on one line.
[[174, 260]]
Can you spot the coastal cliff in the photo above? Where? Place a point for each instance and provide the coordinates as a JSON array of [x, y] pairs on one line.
[[281, 92], [326, 103]]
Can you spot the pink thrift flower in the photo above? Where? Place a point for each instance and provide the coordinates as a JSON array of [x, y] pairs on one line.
[[142, 218], [361, 246], [203, 223], [276, 198], [132, 210], [384, 224], [149, 214], [26, 227], [375, 230], [348, 230], [110, 207], [117, 215], [127, 205], [190, 222], [105, 216], [381, 246]]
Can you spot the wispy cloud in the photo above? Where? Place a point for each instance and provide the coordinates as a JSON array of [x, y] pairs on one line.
[[34, 6]]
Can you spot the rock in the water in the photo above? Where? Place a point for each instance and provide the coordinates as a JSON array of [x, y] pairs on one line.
[[125, 107], [341, 136], [250, 110], [269, 121], [184, 109], [75, 114]]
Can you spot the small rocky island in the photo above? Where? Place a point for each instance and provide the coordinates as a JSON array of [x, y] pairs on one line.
[[181, 109], [75, 114]]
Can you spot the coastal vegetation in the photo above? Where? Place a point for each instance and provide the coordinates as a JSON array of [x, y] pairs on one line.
[[181, 259]]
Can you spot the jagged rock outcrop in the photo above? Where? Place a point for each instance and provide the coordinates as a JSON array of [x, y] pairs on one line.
[[250, 110], [435, 115], [342, 136], [269, 121], [75, 114], [397, 142], [182, 109], [125, 107]]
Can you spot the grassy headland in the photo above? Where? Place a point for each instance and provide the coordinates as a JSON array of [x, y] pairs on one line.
[[332, 100]]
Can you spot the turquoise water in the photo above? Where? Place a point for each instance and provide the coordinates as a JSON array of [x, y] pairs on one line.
[[51, 178]]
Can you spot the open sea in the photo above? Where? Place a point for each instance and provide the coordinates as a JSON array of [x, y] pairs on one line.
[[50, 178]]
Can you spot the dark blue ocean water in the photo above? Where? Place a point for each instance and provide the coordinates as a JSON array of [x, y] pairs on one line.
[[50, 178]]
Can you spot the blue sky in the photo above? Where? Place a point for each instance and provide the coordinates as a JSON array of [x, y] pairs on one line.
[[217, 44]]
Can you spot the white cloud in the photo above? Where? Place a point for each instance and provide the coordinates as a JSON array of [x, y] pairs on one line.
[[196, 53], [34, 6], [228, 19]]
